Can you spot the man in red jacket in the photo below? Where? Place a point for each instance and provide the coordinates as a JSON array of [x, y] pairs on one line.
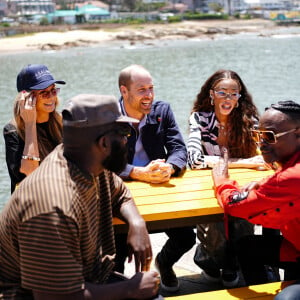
[[274, 202]]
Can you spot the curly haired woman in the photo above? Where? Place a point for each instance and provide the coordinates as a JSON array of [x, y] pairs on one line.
[[222, 116]]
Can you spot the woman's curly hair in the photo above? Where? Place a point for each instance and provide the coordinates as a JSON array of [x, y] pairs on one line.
[[241, 119]]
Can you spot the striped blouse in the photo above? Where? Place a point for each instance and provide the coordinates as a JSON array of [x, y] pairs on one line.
[[56, 232], [203, 149]]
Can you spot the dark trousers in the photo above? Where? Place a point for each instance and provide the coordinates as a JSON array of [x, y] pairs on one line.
[[180, 241], [291, 292], [257, 251]]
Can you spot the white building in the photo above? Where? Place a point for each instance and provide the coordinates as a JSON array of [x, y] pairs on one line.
[[241, 5], [30, 7], [267, 4]]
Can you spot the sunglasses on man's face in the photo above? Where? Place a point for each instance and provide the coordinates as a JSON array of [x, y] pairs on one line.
[[122, 130], [268, 136]]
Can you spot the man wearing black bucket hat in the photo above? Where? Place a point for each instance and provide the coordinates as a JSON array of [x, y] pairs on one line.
[[36, 127], [57, 228]]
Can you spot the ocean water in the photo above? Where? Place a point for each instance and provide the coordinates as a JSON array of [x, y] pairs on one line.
[[269, 66]]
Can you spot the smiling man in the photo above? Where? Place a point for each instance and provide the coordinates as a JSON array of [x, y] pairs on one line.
[[273, 202], [156, 151]]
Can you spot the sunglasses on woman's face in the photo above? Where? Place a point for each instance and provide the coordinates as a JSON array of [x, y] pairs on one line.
[[48, 94], [268, 136]]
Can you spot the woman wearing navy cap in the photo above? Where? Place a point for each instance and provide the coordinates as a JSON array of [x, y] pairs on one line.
[[36, 128]]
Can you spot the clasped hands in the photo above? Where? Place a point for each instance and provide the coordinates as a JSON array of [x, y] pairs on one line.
[[157, 171]]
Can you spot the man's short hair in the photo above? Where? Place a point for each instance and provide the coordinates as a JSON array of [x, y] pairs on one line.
[[126, 74]]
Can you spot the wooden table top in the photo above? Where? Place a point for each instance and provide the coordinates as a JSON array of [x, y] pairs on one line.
[[184, 201]]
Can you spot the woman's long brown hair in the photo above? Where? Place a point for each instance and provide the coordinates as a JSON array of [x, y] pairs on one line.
[[241, 119]]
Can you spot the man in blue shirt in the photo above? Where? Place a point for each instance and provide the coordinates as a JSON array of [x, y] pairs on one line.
[[156, 151]]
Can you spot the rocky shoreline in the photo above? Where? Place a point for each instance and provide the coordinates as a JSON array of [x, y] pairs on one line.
[[137, 34]]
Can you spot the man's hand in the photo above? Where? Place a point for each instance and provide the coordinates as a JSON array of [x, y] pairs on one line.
[[143, 285], [253, 185], [157, 171], [139, 246]]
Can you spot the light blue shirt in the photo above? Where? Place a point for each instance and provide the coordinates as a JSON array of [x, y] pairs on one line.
[[140, 158]]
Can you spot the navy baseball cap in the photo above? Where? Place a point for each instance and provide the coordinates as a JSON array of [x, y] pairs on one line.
[[35, 77]]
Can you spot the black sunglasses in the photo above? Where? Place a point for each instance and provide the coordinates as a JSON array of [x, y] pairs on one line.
[[122, 130]]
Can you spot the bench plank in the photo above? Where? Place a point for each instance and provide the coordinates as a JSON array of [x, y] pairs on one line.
[[260, 292]]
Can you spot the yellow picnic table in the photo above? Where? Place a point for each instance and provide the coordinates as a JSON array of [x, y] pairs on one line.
[[183, 201]]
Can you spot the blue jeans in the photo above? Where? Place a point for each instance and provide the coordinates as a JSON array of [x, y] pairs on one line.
[[291, 292]]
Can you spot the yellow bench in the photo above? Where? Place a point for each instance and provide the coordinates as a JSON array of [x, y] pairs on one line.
[[260, 292]]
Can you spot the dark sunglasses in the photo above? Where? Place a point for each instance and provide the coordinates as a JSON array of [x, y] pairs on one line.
[[47, 94], [268, 136], [124, 131]]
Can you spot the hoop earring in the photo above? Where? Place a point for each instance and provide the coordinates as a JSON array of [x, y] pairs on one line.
[[212, 101], [237, 104]]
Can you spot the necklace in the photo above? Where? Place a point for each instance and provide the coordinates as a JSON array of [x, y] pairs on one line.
[[223, 129], [222, 125], [222, 136]]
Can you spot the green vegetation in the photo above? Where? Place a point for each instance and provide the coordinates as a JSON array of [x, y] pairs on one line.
[[174, 19], [140, 6], [5, 24], [171, 19], [44, 21], [129, 21], [243, 16], [203, 16]]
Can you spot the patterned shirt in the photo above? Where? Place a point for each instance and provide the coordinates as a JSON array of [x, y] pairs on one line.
[[56, 232], [203, 149]]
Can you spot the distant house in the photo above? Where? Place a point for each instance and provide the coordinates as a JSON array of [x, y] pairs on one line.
[[175, 7], [99, 4], [62, 17], [3, 8], [266, 4], [90, 12], [85, 13], [30, 8]]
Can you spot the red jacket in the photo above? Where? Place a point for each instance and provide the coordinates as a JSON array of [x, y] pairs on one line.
[[275, 204]]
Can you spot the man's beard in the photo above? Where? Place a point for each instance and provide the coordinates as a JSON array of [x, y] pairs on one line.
[[117, 160]]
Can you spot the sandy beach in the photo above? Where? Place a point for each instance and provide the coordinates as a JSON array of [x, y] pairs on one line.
[[144, 33]]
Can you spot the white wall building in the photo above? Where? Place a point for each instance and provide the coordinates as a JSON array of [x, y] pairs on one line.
[[240, 5], [30, 7]]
